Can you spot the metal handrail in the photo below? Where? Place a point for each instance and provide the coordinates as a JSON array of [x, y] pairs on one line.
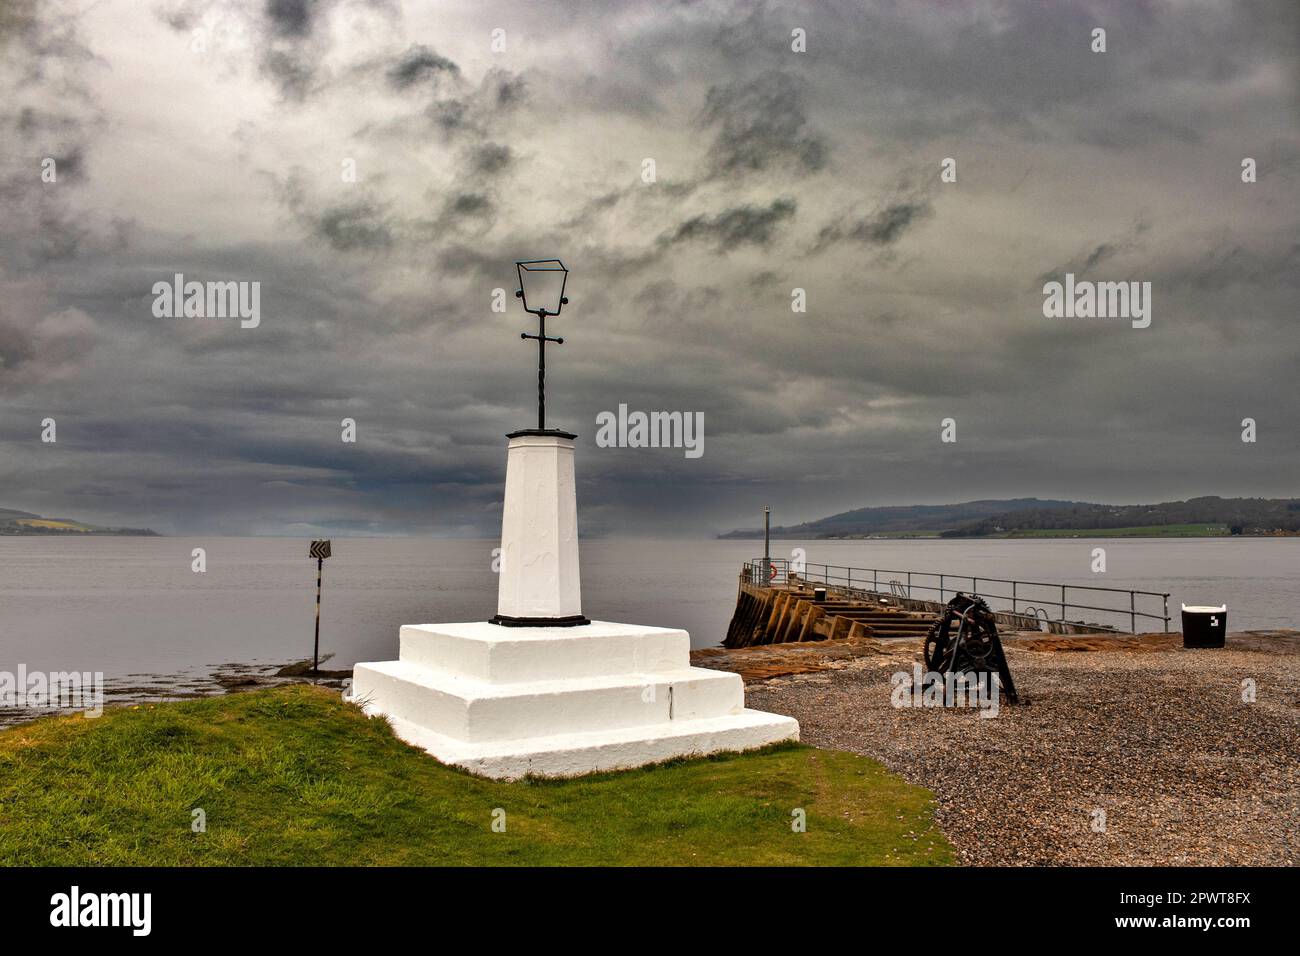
[[1036, 601]]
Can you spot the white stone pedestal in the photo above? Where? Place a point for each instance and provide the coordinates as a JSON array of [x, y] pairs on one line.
[[539, 580], [506, 702], [540, 689]]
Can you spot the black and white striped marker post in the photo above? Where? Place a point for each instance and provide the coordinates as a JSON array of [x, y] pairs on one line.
[[320, 550]]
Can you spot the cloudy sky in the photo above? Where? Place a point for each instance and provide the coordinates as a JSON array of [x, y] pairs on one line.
[[212, 139]]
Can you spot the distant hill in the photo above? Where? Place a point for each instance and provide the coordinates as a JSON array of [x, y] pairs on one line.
[[1038, 517], [896, 519], [1253, 516], [26, 523]]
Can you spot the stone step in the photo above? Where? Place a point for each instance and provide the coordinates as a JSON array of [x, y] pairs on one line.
[[487, 652], [569, 755], [477, 711]]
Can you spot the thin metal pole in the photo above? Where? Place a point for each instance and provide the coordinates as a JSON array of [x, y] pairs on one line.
[[1062, 602], [541, 372], [1132, 613], [767, 537], [315, 651], [941, 589], [1166, 613], [1013, 597]]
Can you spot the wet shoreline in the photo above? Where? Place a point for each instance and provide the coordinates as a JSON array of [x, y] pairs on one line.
[[134, 689]]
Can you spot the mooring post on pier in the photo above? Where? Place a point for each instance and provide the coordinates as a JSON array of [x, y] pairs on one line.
[[767, 542]]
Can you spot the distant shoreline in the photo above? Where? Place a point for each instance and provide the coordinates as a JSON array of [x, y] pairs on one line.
[[1208, 516], [1015, 535], [78, 533]]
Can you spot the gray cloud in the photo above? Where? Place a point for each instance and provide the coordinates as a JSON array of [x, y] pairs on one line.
[[491, 159], [1101, 253], [883, 227], [738, 226], [760, 124], [291, 18], [377, 294], [419, 64]]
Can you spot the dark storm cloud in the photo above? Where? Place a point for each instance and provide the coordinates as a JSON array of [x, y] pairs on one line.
[[417, 65], [291, 38], [881, 228], [491, 158], [896, 214], [1242, 265], [468, 204], [37, 350], [443, 100], [1100, 254], [760, 124], [291, 18], [509, 91], [358, 225], [54, 116], [377, 295], [738, 226]]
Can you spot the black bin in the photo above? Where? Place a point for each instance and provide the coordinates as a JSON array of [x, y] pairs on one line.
[[819, 595], [1204, 626]]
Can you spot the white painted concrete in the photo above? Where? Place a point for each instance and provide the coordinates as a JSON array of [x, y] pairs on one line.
[[571, 755], [555, 701], [481, 651], [539, 530], [558, 701]]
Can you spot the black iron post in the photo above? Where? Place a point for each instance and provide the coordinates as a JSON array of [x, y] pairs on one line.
[[320, 550], [542, 338], [767, 543], [315, 651]]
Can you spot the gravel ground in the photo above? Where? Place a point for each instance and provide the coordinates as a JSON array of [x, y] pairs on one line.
[[1156, 737]]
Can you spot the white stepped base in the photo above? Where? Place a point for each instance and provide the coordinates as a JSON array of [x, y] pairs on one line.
[[506, 702], [571, 755], [476, 711]]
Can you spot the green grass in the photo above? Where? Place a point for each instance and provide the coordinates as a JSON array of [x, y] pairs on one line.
[[293, 776], [1147, 531]]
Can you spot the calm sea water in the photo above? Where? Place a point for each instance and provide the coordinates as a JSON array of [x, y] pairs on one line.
[[134, 606]]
